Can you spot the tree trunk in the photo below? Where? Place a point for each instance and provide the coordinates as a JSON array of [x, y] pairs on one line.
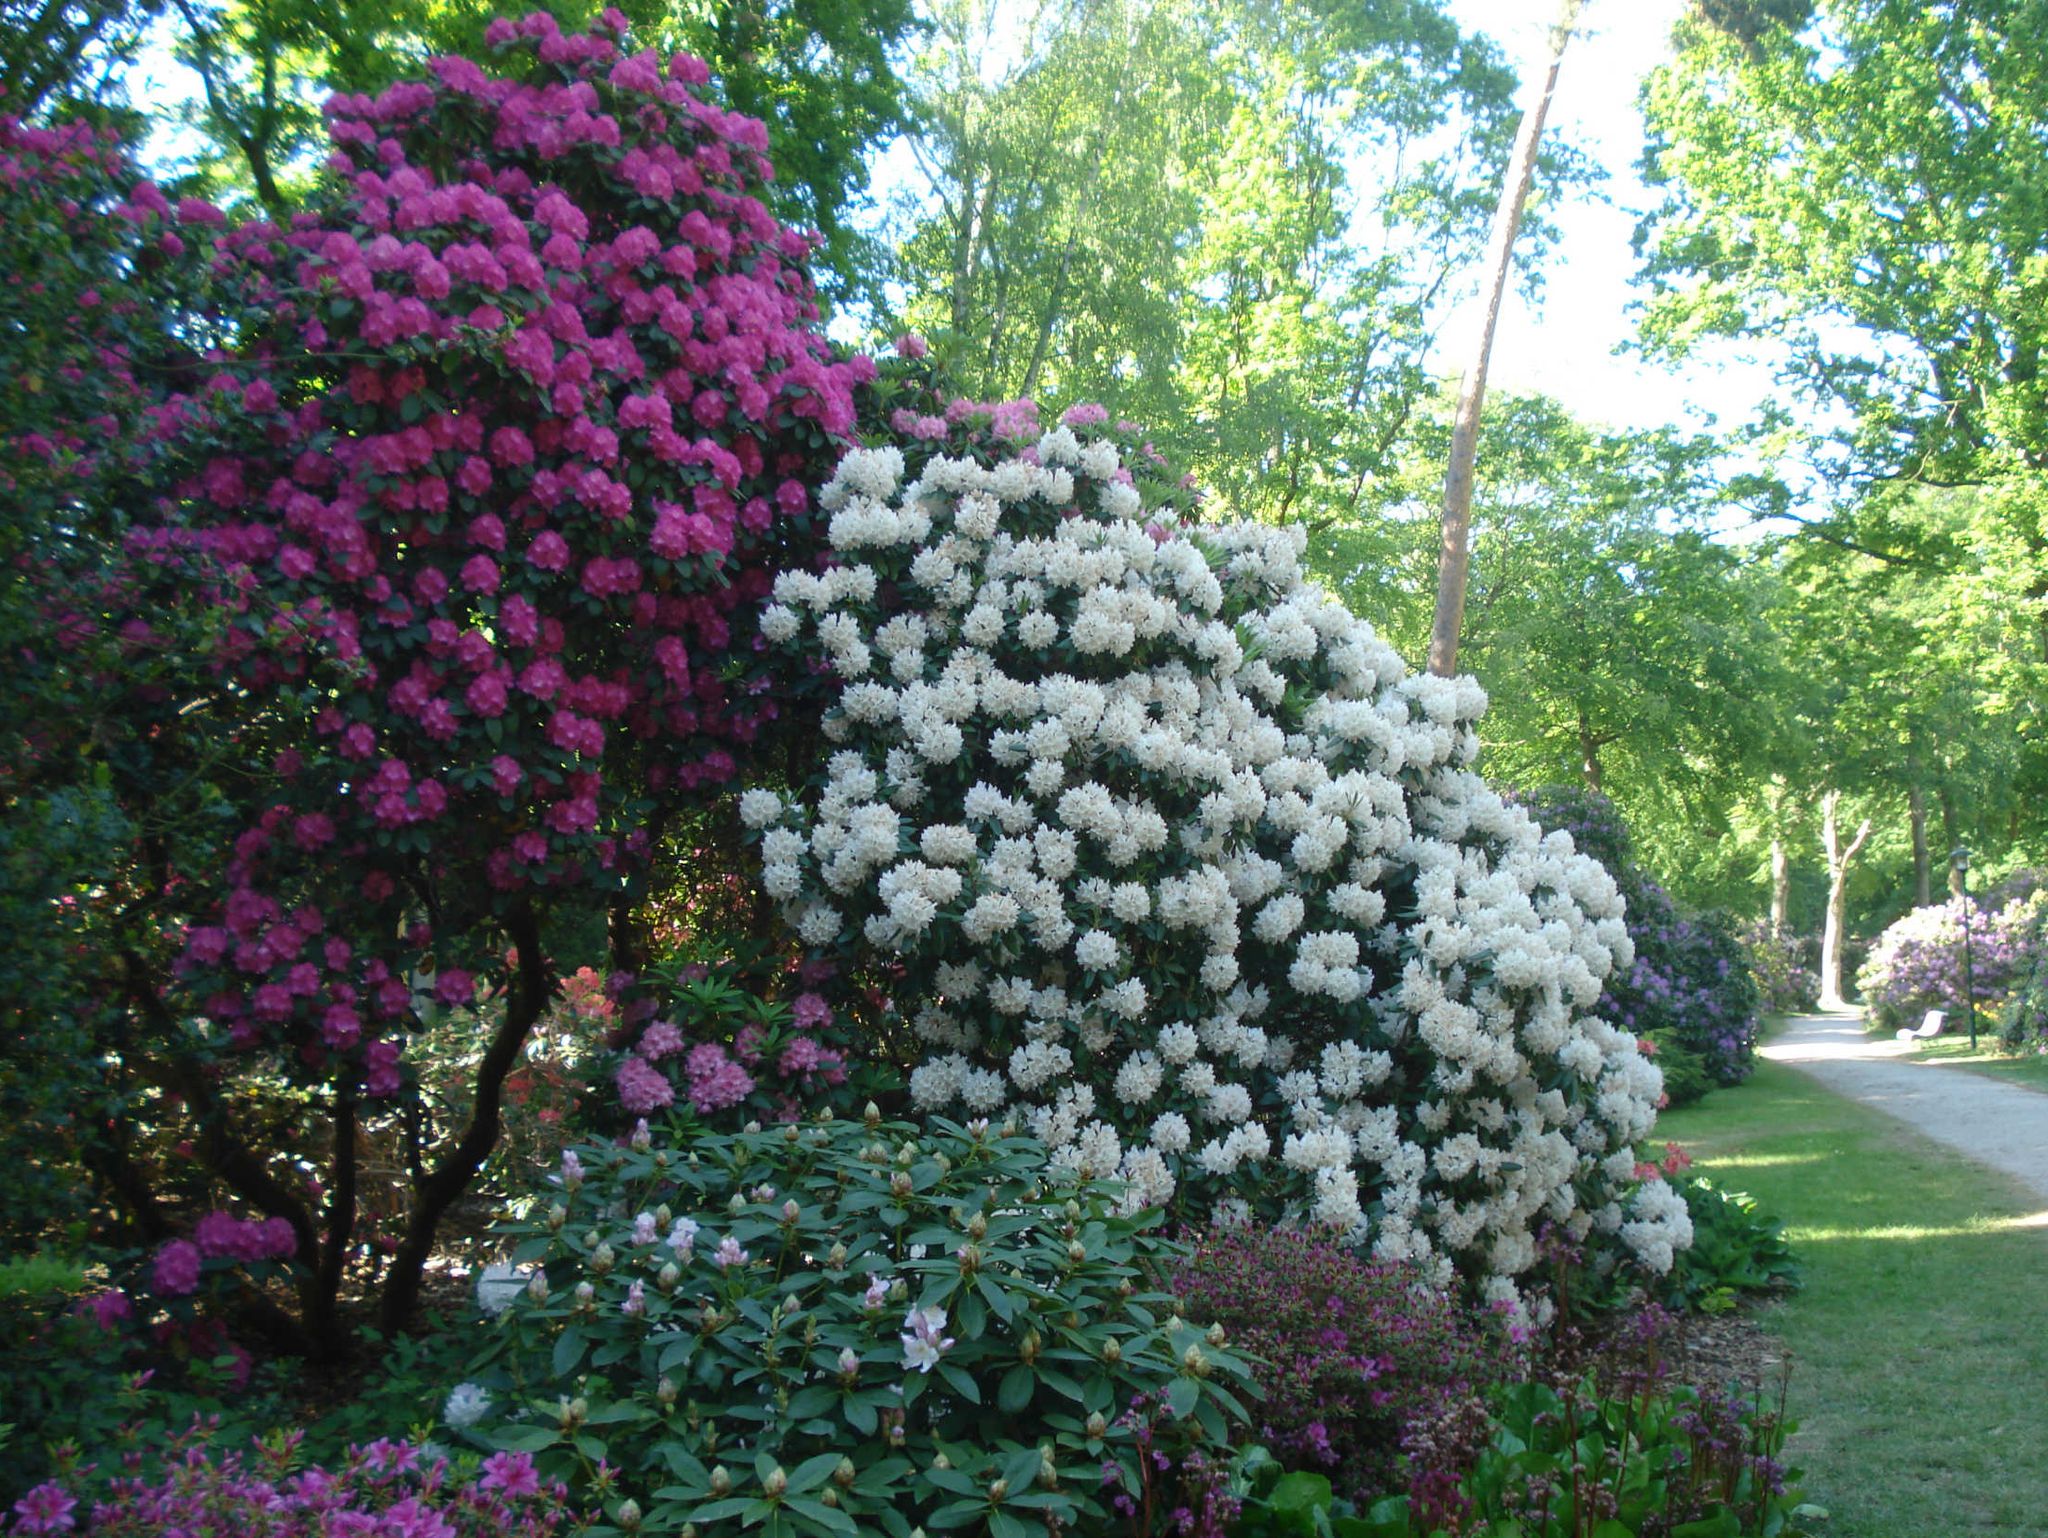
[[1916, 807], [1955, 839], [1589, 751], [1454, 556], [532, 987], [1838, 883], [1781, 886]]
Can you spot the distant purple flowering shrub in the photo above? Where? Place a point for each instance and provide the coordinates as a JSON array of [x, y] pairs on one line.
[[1917, 963], [1692, 976], [387, 1489], [1360, 1360], [1784, 969]]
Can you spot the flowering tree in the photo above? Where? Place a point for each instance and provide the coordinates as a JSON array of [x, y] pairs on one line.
[[1184, 866], [482, 497]]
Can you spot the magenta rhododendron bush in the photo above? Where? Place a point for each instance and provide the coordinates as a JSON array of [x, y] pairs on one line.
[[531, 425], [475, 476]]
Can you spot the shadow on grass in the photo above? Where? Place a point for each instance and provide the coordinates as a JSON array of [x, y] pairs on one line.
[[1919, 1361]]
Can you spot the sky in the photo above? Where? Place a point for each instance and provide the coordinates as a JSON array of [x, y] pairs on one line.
[[1566, 347]]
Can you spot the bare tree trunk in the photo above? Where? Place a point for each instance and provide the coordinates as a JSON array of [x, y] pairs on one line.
[[1916, 807], [1955, 838], [1589, 747], [1454, 557], [1781, 886], [1838, 882]]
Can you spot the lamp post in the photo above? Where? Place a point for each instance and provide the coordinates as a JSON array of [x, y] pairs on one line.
[[1960, 860]]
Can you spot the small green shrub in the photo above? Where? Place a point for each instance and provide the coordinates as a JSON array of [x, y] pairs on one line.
[[1686, 1079], [1735, 1249], [846, 1327]]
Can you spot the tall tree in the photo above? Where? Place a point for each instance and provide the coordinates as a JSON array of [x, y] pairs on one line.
[[1233, 222], [1453, 558], [1861, 188]]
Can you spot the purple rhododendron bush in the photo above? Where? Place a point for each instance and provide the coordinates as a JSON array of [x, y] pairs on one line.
[[1917, 964]]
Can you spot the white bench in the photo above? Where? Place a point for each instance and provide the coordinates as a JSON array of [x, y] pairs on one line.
[[1929, 1027]]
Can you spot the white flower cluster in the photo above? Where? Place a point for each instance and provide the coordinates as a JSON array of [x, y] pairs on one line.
[[1191, 873]]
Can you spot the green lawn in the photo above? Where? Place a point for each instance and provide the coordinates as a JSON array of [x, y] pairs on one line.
[[2030, 1069], [1920, 1374]]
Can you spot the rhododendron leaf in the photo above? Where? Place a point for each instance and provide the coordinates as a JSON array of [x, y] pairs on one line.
[[1182, 1395], [568, 1352], [1015, 1391], [963, 1384], [823, 1516], [813, 1472]]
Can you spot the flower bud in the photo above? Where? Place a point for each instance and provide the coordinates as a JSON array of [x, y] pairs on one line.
[[751, 1128], [977, 1228], [667, 1277], [776, 1483], [661, 1163], [1112, 1351], [829, 1497], [872, 1116], [1216, 1336], [1073, 1210], [1098, 1424], [537, 1286], [1196, 1363], [789, 1133], [1033, 1343], [843, 1476], [1076, 1251], [907, 1154], [592, 1239], [602, 1259], [998, 1489], [1048, 1471], [557, 1216], [790, 1211], [945, 1164], [899, 1185], [665, 1391], [629, 1514], [721, 1482], [663, 1216], [941, 1461], [835, 1258], [642, 1139], [737, 1205], [586, 1295]]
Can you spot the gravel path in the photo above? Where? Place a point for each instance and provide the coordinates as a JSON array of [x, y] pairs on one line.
[[2000, 1125]]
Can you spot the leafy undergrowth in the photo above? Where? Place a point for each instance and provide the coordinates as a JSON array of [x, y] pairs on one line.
[[1918, 1362]]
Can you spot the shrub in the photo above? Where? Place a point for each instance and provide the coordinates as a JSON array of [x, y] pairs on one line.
[[502, 442], [1735, 1249], [384, 1488], [1917, 963], [847, 1326], [1181, 862], [1686, 1080], [1352, 1358], [2023, 1021], [1784, 969], [1691, 976]]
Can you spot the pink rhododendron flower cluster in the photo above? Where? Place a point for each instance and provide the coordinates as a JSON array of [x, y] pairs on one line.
[[389, 1489], [527, 433]]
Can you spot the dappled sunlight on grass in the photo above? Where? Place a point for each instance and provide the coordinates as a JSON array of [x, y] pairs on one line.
[[1970, 1228], [1764, 1161], [1912, 1337]]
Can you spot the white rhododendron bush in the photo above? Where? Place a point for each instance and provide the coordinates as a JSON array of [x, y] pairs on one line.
[[1187, 871]]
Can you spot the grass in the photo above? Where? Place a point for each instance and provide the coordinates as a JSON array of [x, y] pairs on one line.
[[2029, 1069], [1918, 1356]]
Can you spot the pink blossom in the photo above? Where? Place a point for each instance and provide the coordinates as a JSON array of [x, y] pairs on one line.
[[175, 1273]]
